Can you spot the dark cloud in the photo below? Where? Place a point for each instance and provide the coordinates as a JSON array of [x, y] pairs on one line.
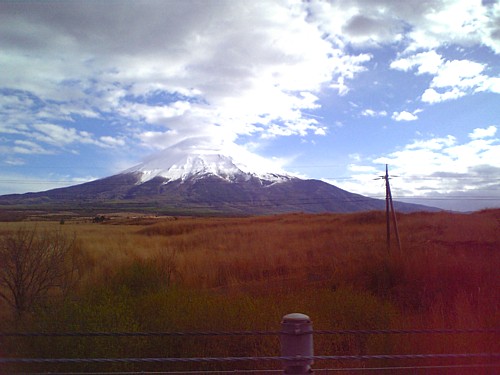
[[362, 25], [111, 27]]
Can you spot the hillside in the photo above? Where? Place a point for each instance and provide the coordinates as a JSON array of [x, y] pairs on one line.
[[179, 181]]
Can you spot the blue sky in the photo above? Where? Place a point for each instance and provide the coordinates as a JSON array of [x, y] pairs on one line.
[[329, 90]]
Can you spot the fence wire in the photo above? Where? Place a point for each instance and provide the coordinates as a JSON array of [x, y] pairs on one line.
[[247, 359], [252, 333], [490, 356], [138, 334], [260, 371]]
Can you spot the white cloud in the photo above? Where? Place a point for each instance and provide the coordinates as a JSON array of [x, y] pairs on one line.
[[452, 22], [254, 72], [156, 139], [420, 25], [154, 73], [492, 30], [434, 167], [296, 48], [154, 114], [372, 113], [27, 148], [480, 133], [405, 115], [432, 96], [461, 22], [492, 84], [426, 62], [9, 160], [432, 143], [112, 141], [459, 73], [59, 135], [241, 155], [452, 79]]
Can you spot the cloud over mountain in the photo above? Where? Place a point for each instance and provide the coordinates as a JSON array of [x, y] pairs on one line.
[[117, 80]]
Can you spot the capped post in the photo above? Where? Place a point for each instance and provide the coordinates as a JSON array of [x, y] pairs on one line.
[[297, 341]]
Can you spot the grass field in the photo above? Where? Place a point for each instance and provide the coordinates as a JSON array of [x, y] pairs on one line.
[[225, 274]]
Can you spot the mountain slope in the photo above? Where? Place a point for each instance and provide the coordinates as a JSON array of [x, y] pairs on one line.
[[207, 194], [182, 181]]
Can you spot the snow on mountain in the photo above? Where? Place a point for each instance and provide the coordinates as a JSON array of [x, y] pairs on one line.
[[188, 166], [183, 161], [244, 184]]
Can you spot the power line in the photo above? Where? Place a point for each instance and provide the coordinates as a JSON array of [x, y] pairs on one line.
[[343, 178], [451, 197], [358, 198]]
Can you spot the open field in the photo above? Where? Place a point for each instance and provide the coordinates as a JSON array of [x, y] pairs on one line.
[[239, 274]]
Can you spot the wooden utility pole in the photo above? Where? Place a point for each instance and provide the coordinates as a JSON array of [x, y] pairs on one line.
[[389, 206], [387, 219]]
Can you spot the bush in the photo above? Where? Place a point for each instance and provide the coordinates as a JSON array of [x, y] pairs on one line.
[[34, 264]]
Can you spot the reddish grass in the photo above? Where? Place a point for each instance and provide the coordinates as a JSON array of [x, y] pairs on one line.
[[245, 273]]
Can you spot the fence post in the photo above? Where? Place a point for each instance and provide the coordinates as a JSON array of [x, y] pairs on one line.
[[297, 340]]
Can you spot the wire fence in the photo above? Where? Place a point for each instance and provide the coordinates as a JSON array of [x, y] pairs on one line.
[[253, 333], [251, 359], [492, 359], [318, 371]]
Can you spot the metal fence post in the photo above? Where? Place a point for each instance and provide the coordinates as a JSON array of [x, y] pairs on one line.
[[297, 340]]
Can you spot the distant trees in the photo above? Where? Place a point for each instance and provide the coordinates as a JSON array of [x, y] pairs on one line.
[[34, 264]]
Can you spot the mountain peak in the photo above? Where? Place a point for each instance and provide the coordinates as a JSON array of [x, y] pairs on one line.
[[183, 161], [199, 178], [187, 166]]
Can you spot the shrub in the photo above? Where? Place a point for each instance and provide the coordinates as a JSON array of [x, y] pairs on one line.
[[33, 264]]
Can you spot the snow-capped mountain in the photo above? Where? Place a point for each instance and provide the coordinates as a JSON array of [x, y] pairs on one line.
[[201, 181], [180, 162], [188, 167]]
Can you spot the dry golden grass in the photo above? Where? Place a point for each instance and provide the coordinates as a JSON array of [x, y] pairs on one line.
[[245, 273], [443, 255]]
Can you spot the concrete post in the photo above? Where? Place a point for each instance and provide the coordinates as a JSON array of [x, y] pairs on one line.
[[297, 340]]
